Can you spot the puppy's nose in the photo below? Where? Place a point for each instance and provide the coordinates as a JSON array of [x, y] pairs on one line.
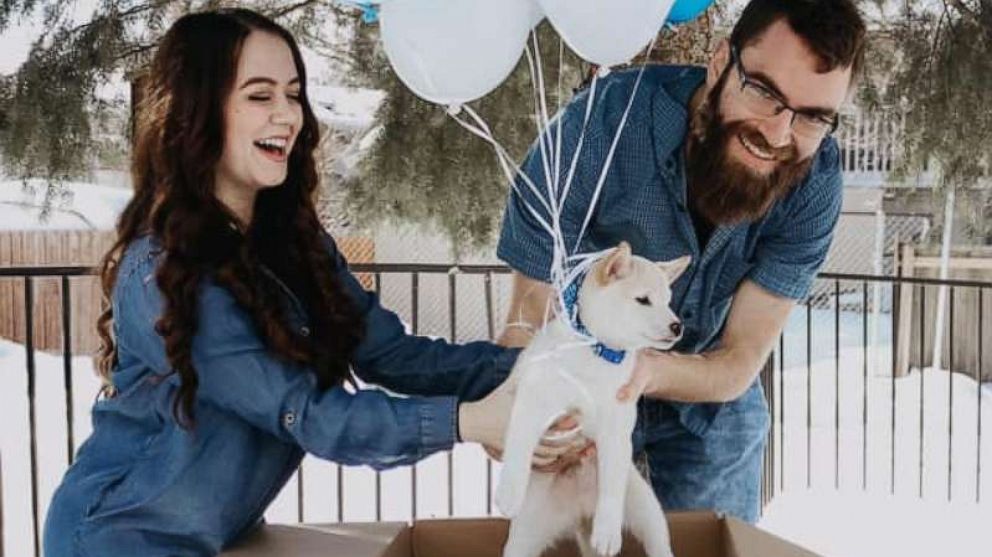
[[676, 328]]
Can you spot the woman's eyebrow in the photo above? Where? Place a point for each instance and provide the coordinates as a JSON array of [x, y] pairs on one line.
[[267, 81]]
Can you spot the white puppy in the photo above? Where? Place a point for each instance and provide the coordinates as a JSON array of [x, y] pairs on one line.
[[622, 303]]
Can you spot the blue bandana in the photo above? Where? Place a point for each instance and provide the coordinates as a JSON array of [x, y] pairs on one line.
[[571, 298]]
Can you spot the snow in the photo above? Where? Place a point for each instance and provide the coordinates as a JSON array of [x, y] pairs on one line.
[[345, 108], [86, 207], [15, 41], [856, 524]]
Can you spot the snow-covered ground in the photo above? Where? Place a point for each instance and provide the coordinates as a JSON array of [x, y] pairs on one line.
[[868, 487], [849, 521], [82, 207]]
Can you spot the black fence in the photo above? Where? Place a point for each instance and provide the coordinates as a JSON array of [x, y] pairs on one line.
[[841, 414]]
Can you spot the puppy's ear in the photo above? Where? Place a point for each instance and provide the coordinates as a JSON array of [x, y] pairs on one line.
[[674, 268], [617, 265]]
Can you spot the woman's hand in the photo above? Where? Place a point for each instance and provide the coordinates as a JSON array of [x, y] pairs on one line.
[[486, 420], [563, 434]]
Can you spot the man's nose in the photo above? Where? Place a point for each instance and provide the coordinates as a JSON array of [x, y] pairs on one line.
[[777, 130]]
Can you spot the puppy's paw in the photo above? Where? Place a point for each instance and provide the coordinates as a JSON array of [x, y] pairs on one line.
[[607, 534], [509, 496], [657, 544]]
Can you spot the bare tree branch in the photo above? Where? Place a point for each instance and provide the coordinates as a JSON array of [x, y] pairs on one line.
[[293, 7]]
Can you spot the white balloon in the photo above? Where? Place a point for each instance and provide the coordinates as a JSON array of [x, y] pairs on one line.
[[454, 51], [607, 32]]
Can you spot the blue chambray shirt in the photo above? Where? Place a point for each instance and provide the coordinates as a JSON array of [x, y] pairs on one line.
[[643, 201], [143, 486]]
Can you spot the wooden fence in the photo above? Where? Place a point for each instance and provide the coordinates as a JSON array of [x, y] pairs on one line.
[[970, 309], [42, 248], [23, 248]]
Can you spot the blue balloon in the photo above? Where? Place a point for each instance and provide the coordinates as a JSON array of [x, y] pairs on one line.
[[687, 10], [370, 12]]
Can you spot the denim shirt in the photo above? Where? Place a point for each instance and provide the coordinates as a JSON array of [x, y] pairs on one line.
[[643, 201], [141, 485]]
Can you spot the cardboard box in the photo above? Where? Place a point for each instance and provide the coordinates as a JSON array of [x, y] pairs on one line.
[[694, 534]]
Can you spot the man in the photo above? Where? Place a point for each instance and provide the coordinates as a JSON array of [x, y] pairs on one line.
[[734, 165]]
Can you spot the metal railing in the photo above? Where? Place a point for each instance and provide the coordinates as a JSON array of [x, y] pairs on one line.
[[800, 365]]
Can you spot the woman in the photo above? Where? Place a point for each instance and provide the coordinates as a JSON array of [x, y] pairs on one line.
[[234, 320]]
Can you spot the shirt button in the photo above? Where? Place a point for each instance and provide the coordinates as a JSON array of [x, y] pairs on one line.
[[689, 314], [305, 331], [288, 419]]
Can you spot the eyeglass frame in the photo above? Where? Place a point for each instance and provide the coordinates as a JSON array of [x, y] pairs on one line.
[[735, 60]]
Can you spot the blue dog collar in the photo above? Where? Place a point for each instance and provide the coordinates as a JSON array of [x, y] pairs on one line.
[[571, 297]]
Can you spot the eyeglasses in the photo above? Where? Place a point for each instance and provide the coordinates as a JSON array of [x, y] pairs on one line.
[[766, 103]]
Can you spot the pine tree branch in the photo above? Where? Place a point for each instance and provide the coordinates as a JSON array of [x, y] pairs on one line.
[[136, 10], [43, 208], [963, 7], [137, 50], [293, 7]]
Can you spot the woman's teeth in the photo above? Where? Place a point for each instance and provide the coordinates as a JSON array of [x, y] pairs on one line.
[[273, 145]]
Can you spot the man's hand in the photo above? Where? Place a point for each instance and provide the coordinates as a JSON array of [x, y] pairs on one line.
[[643, 379], [756, 319]]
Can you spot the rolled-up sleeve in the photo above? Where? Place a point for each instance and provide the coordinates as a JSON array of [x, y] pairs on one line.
[[789, 257], [415, 365], [238, 374]]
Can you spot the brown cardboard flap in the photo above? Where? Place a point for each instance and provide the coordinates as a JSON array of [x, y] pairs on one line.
[[481, 537], [485, 537], [696, 534], [331, 540], [380, 532], [744, 540]]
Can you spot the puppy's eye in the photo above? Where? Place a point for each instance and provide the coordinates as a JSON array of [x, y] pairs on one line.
[[643, 300]]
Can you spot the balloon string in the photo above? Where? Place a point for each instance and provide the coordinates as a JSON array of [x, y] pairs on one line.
[[612, 151], [565, 268], [548, 159], [509, 168], [562, 272], [535, 75]]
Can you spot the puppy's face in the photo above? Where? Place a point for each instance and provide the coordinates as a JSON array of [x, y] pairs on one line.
[[624, 301]]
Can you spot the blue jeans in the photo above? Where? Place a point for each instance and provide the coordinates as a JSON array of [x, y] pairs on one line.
[[718, 469]]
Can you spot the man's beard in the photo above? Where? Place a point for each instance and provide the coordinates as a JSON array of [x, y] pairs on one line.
[[723, 190]]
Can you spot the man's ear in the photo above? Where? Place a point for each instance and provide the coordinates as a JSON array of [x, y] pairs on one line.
[[718, 63], [616, 266], [673, 269]]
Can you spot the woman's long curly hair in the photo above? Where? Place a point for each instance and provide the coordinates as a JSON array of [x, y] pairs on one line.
[[179, 138]]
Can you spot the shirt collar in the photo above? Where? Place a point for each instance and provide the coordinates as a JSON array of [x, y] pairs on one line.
[[670, 112]]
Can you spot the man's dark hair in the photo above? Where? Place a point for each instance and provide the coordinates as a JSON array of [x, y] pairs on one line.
[[833, 29]]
